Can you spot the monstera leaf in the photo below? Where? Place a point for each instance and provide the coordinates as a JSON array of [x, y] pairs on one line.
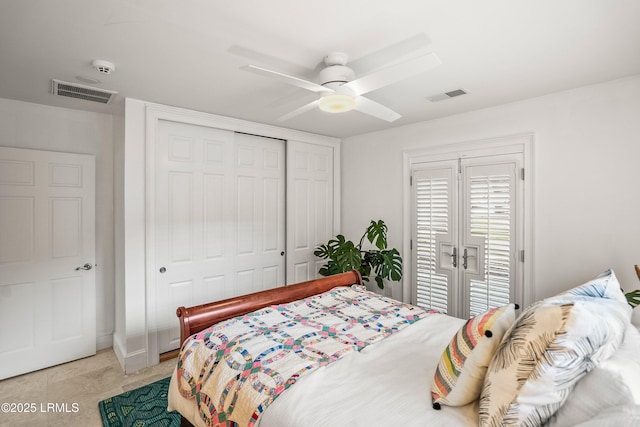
[[633, 298], [343, 255], [391, 266], [377, 234], [349, 256]]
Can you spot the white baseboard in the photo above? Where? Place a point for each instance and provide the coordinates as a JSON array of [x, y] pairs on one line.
[[129, 362], [104, 340], [119, 351], [135, 361]]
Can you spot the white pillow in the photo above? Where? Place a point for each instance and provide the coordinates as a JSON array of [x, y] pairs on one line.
[[615, 382], [617, 416], [635, 317]]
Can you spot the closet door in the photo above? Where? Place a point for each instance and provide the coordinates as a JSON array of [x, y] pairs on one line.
[[467, 234], [220, 218], [310, 207]]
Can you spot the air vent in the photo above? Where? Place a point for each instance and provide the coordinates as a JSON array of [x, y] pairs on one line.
[[446, 95], [87, 93]]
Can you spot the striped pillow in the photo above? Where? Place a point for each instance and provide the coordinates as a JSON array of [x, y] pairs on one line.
[[460, 373]]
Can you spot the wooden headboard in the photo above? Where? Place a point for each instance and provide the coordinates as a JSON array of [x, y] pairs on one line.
[[195, 319]]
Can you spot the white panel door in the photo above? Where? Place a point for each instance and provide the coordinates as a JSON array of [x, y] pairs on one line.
[[47, 255], [310, 208], [219, 219]]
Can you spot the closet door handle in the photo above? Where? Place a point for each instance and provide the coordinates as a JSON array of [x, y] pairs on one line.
[[454, 257], [464, 259]]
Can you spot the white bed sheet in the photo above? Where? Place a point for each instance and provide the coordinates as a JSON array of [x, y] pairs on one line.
[[386, 383]]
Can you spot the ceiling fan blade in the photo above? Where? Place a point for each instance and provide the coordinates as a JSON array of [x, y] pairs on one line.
[[254, 56], [393, 74], [300, 110], [292, 80], [389, 54], [372, 108]]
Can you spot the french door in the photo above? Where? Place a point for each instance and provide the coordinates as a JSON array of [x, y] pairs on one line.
[[467, 233]]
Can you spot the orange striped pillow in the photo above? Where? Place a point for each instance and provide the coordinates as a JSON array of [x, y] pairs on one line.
[[462, 367]]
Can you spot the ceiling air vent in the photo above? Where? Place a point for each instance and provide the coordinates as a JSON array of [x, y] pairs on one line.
[[446, 95], [88, 93]]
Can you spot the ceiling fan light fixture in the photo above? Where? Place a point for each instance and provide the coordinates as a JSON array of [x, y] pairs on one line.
[[337, 103]]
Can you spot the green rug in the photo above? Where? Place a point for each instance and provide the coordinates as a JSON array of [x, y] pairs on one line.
[[144, 406]]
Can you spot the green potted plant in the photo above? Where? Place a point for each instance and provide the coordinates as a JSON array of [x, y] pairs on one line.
[[633, 297], [343, 255]]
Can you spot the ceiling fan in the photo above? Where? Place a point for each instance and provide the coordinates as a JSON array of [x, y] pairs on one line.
[[339, 90]]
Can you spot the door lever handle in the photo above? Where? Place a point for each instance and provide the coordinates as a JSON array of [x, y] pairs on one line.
[[464, 259], [87, 266]]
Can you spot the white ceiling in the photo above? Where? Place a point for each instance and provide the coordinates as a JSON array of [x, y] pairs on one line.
[[189, 53]]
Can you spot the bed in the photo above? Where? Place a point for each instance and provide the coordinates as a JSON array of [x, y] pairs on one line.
[[384, 362]]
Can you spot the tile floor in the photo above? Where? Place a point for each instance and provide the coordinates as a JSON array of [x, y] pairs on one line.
[[83, 382]]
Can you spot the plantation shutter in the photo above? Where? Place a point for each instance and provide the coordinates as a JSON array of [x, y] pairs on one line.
[[433, 233], [489, 228], [465, 234]]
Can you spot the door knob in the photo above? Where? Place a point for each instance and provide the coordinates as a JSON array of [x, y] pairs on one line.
[[87, 266], [162, 269]]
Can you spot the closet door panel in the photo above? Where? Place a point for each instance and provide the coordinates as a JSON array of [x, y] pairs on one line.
[[310, 207], [220, 219]]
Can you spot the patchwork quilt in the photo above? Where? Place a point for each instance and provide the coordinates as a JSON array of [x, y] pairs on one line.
[[236, 368]]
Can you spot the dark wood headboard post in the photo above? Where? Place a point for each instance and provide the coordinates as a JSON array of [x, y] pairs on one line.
[[195, 319]]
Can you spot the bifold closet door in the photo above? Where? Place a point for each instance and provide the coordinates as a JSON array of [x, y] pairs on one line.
[[467, 233], [220, 218]]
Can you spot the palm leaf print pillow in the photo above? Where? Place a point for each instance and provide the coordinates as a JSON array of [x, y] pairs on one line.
[[553, 344]]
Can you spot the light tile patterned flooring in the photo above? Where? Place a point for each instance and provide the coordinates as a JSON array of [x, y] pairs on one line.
[[83, 382]]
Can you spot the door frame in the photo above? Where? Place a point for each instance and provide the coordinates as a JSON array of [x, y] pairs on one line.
[[519, 143], [154, 113]]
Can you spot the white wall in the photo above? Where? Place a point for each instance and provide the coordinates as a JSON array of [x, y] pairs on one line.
[[586, 178], [25, 125]]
